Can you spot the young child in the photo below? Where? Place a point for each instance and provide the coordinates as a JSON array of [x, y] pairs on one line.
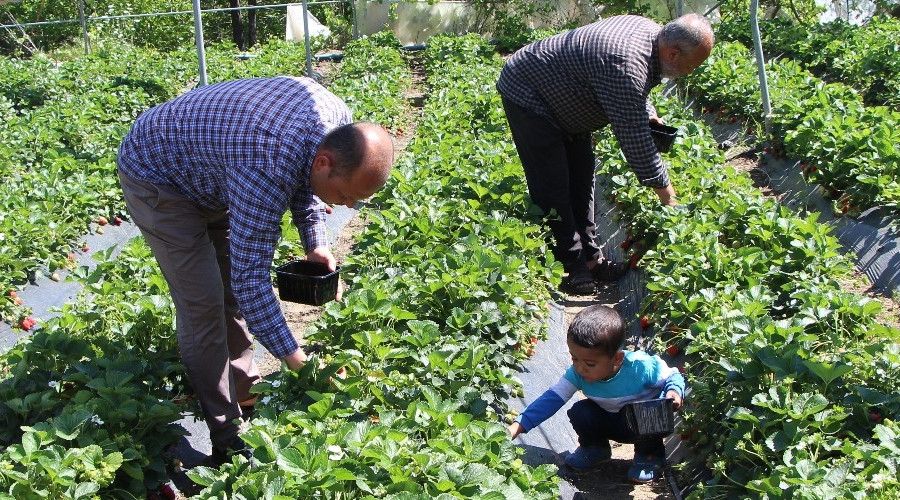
[[609, 378]]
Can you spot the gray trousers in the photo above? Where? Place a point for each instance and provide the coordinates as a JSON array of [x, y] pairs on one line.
[[191, 246], [559, 169]]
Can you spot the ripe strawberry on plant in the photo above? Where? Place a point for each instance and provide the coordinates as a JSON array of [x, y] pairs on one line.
[[117, 221], [645, 322], [27, 323], [633, 261], [673, 350]]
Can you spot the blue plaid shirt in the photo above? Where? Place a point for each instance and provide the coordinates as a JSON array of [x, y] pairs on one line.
[[245, 146]]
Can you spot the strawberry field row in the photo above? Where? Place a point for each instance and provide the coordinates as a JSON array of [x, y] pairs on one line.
[[89, 399], [62, 123], [864, 57], [447, 280], [846, 147], [792, 378]]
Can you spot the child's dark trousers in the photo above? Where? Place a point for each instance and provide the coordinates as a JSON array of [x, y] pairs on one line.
[[596, 426]]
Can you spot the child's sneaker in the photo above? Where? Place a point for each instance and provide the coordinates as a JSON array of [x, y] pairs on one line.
[[645, 468], [588, 457]]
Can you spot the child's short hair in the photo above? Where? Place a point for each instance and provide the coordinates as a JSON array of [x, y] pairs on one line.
[[598, 327]]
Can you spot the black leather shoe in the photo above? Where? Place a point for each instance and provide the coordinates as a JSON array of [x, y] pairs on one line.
[[578, 282], [608, 270]]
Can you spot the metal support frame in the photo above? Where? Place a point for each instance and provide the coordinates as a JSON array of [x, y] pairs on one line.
[[761, 66], [198, 39], [308, 47], [84, 31]]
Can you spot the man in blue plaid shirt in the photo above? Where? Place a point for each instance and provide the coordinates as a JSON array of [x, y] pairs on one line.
[[558, 90], [207, 178]]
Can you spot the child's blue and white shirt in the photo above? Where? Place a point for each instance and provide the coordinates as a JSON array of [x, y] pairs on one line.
[[640, 377]]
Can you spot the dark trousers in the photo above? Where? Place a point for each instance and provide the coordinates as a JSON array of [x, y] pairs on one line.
[[559, 169], [191, 246], [596, 426]]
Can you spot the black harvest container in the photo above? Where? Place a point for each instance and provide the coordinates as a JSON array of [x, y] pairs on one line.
[[651, 418], [663, 136], [306, 282]]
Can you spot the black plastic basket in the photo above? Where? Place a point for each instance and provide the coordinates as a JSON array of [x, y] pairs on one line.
[[651, 418], [663, 136], [306, 282]]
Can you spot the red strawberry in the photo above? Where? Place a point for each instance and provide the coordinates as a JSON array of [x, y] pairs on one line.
[[633, 261], [626, 244], [875, 416], [673, 350], [102, 220], [682, 369], [117, 221], [645, 322], [27, 323]]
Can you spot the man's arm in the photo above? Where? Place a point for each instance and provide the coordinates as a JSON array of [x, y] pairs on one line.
[[629, 113], [257, 201]]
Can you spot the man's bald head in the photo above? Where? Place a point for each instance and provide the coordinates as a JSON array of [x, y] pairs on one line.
[[684, 44], [353, 162], [359, 145]]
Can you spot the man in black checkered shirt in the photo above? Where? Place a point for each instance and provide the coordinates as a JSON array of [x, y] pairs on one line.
[[558, 90]]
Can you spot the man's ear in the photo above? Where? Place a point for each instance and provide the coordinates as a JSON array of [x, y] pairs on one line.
[[322, 162], [670, 53]]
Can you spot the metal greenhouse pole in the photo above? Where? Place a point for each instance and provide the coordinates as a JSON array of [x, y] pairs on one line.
[[761, 66], [84, 31], [198, 39], [307, 48]]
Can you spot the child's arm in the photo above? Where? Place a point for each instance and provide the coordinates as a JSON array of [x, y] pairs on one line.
[[671, 379], [543, 407]]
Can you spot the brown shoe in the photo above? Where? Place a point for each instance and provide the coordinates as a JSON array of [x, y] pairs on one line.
[[607, 270]]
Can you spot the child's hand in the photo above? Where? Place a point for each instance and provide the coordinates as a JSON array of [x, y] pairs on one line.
[[676, 399], [514, 429]]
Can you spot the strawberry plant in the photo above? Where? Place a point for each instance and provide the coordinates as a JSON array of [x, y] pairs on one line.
[[826, 125], [785, 367]]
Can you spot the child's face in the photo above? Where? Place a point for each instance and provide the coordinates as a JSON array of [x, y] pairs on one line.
[[593, 365]]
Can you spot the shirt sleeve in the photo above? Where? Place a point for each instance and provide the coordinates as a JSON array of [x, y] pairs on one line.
[[651, 109], [307, 209], [665, 377], [308, 213], [257, 201], [626, 106], [547, 404]]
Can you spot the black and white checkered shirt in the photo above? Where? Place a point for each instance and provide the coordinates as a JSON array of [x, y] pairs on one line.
[[592, 76]]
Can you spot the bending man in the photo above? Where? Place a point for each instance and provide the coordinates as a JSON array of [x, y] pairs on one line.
[[207, 178], [558, 90]]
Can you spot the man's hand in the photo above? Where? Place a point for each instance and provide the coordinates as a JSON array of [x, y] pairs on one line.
[[657, 120], [514, 429], [324, 256], [676, 399], [667, 195], [295, 360]]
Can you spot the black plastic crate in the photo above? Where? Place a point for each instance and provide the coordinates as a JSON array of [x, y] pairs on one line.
[[306, 282], [663, 136], [651, 418]]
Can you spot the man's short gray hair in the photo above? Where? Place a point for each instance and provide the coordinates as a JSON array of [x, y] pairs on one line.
[[688, 32]]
